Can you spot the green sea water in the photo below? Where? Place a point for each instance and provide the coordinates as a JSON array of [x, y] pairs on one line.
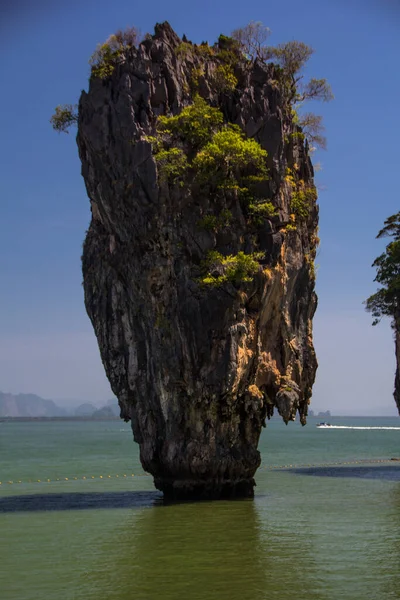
[[315, 530]]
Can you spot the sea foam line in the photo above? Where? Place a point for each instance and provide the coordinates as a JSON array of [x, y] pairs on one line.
[[104, 478], [357, 427]]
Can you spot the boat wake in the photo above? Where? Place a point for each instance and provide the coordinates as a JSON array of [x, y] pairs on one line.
[[355, 427]]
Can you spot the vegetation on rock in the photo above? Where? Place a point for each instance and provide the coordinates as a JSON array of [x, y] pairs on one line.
[[246, 44], [221, 160], [186, 49], [386, 301], [171, 164], [217, 154], [195, 124], [106, 55], [64, 116], [302, 196], [229, 158], [291, 57], [261, 210], [236, 269], [224, 79], [251, 40], [216, 223]]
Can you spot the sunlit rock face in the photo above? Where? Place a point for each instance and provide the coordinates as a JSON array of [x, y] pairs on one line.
[[196, 368]]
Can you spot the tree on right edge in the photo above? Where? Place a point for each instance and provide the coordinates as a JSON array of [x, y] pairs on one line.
[[386, 300]]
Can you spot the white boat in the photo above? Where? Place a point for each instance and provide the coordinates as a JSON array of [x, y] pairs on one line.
[[324, 425]]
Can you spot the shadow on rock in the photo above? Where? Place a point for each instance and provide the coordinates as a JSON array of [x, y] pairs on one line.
[[78, 501]]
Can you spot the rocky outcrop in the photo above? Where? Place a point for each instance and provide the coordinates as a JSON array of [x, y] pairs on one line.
[[197, 369]]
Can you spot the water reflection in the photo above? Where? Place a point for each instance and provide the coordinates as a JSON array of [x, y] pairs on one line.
[[221, 551], [388, 563]]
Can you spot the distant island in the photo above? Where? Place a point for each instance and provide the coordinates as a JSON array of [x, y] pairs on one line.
[[33, 406], [321, 414]]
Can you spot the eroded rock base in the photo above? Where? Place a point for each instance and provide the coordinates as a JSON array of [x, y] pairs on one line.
[[181, 491]]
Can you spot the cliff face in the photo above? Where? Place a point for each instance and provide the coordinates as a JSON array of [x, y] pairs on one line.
[[196, 368]]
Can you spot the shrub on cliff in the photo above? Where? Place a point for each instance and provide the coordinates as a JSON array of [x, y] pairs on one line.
[[291, 57], [171, 164], [64, 116], [229, 157], [222, 159], [225, 79], [186, 49], [237, 269], [386, 301], [195, 123], [251, 39], [312, 129], [216, 223], [260, 210], [105, 57], [302, 196]]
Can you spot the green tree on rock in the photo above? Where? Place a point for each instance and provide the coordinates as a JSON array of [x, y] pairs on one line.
[[229, 154], [386, 301], [291, 57], [64, 116]]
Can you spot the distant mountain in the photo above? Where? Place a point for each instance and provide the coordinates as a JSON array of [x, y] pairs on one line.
[[85, 410], [326, 413], [28, 405], [31, 405], [111, 409]]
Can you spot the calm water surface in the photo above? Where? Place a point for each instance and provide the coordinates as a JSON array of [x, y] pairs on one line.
[[312, 532]]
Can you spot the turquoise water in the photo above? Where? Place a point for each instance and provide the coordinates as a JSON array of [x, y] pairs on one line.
[[312, 532]]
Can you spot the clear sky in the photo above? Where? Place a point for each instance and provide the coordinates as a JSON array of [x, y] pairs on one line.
[[46, 341]]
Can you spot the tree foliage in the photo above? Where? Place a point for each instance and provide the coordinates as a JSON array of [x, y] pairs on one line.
[[313, 128], [104, 58], [316, 89], [236, 269], [172, 164], [251, 39], [386, 301], [291, 57], [260, 210], [64, 117], [303, 196], [195, 123], [216, 223], [197, 149], [224, 79], [230, 156]]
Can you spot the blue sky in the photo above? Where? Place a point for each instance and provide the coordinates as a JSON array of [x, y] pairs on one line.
[[46, 341]]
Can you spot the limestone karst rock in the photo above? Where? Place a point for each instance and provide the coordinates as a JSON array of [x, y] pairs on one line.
[[197, 368]]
